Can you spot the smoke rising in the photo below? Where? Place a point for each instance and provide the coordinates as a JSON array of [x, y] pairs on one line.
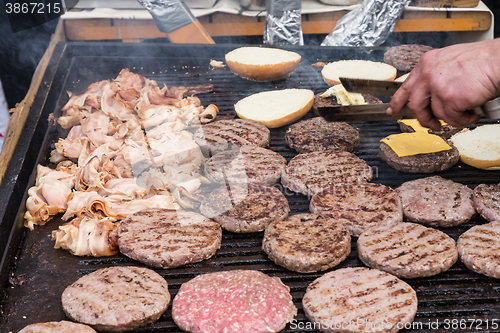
[[20, 53]]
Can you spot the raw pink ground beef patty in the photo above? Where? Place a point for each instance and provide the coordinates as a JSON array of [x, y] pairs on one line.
[[236, 301]]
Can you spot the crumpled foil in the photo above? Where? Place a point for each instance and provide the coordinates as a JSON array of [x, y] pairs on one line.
[[169, 15], [369, 25], [283, 23]]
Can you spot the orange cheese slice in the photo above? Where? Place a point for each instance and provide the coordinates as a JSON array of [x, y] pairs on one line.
[[415, 124], [408, 144]]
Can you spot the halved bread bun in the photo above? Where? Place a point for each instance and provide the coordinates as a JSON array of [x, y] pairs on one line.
[[262, 63], [358, 69], [479, 147], [276, 108], [402, 78]]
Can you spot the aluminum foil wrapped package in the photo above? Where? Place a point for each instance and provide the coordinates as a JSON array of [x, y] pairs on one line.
[[369, 25], [283, 23], [169, 15]]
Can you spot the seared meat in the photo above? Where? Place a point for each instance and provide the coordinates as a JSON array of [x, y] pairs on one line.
[[234, 301], [117, 299], [168, 238], [242, 208], [436, 202], [359, 206], [479, 248], [87, 237], [405, 57], [359, 299], [312, 173], [487, 201], [222, 135], [62, 326], [425, 163], [407, 250], [316, 134], [248, 164], [307, 243], [446, 131]]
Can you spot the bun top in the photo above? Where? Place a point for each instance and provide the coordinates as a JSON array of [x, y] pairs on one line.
[[261, 56], [479, 147], [358, 69]]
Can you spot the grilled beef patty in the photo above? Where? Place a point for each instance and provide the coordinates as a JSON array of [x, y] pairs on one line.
[[233, 301], [405, 57], [168, 238], [221, 135], [487, 201], [407, 250], [117, 299], [436, 202], [307, 243], [478, 249], [359, 299], [247, 164], [311, 173], [446, 132], [317, 134], [425, 163], [62, 326], [359, 206], [242, 208]]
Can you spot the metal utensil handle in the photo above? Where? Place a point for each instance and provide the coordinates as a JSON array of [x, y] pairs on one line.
[[490, 109]]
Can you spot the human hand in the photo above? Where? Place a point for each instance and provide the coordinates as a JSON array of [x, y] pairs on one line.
[[448, 83]]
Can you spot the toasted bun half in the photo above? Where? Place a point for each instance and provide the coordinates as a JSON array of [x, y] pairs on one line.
[[479, 147], [358, 69], [402, 78], [276, 108], [262, 63]]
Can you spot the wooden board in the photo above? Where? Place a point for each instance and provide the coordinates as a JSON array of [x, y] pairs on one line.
[[445, 3], [222, 24]]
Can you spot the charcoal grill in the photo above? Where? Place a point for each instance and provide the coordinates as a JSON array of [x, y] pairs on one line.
[[34, 274]]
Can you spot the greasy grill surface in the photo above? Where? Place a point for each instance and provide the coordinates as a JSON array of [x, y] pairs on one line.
[[457, 300]]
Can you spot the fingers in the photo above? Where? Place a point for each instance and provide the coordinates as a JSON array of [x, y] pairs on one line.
[[400, 98], [426, 118], [462, 119], [450, 113]]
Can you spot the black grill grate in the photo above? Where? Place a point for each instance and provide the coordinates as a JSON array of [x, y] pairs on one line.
[[41, 273]]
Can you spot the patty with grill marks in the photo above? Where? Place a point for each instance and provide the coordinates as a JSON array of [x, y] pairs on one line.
[[359, 299], [407, 250], [117, 299], [436, 202], [446, 131], [359, 206], [242, 209], [307, 243], [168, 238], [236, 301], [479, 249], [247, 164], [62, 326], [405, 57], [424, 163], [317, 134], [487, 201], [221, 135], [311, 173]]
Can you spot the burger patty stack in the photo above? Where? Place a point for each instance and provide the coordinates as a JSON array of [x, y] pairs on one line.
[[168, 182]]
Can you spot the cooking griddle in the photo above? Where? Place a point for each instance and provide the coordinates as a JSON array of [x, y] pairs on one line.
[[34, 274]]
